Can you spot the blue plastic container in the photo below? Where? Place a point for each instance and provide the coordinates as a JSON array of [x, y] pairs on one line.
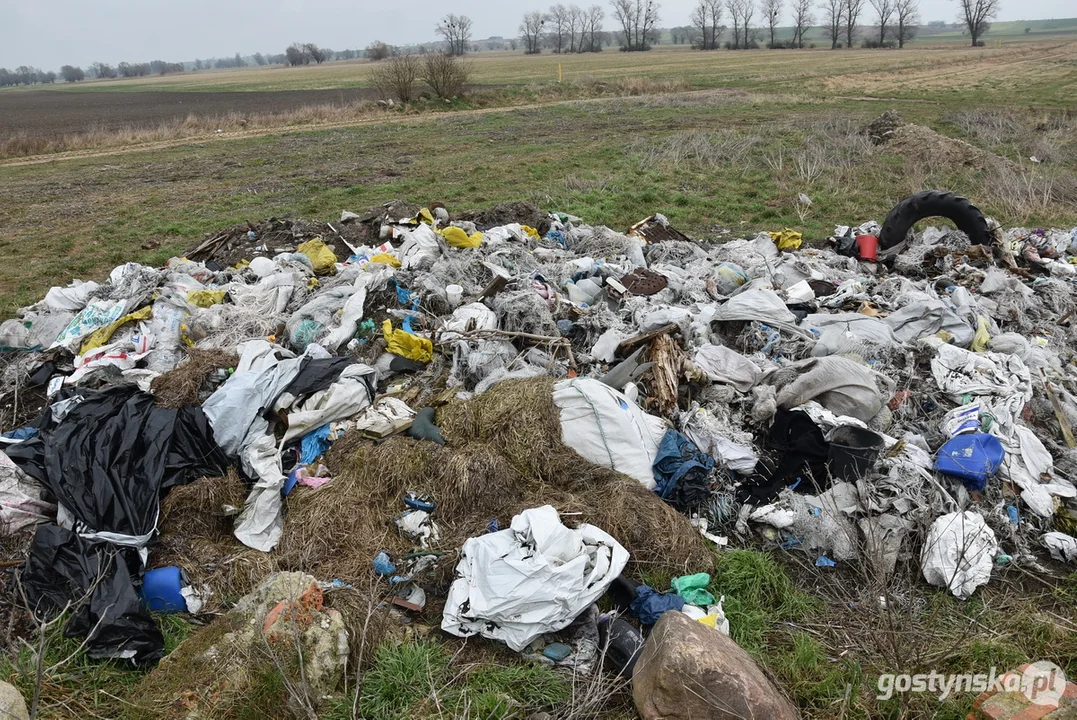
[[161, 590], [973, 457]]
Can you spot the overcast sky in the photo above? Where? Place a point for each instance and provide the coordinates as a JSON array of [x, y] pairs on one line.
[[51, 33]]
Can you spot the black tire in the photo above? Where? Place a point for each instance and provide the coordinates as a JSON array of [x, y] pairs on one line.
[[934, 203], [624, 646]]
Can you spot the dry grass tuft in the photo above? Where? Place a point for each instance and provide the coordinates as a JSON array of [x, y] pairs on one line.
[[181, 386], [504, 455]]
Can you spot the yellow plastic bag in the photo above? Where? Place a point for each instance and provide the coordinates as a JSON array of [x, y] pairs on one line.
[[321, 257], [205, 298], [981, 338], [786, 239], [530, 231], [407, 345], [386, 259], [102, 335], [459, 239]]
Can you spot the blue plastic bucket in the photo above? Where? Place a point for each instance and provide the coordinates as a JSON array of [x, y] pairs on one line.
[[161, 590]]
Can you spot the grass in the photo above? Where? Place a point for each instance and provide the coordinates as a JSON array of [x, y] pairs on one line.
[[79, 686], [419, 679]]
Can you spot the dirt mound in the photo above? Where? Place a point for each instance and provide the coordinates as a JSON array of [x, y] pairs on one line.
[[924, 144], [881, 129], [509, 212], [504, 455]]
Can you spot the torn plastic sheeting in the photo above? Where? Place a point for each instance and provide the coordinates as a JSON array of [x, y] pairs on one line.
[[1061, 546], [786, 239], [101, 336], [352, 311], [310, 323], [33, 331], [649, 604], [404, 344], [608, 429], [458, 237], [474, 316], [605, 348], [420, 248], [123, 355], [72, 298], [314, 444], [707, 433], [681, 471], [839, 384], [96, 314], [349, 394], [926, 318], [1003, 381], [959, 553], [760, 305], [535, 577], [59, 573], [110, 458], [261, 522], [1027, 464], [22, 500], [386, 416], [724, 365]]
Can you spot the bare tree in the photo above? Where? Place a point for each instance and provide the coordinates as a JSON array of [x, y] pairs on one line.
[[317, 54], [558, 17], [377, 50], [833, 14], [884, 9], [853, 8], [773, 10], [296, 54], [736, 11], [592, 24], [575, 25], [977, 16], [706, 18], [531, 29], [907, 21], [637, 19], [396, 78], [455, 30], [802, 20], [72, 74], [748, 10]]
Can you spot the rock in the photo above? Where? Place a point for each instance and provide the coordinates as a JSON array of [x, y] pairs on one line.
[[244, 653], [12, 705], [689, 670]]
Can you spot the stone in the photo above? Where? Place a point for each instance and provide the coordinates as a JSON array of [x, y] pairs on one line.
[[243, 653], [689, 670], [12, 704]]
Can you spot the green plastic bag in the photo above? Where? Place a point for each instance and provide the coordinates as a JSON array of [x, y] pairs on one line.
[[693, 588]]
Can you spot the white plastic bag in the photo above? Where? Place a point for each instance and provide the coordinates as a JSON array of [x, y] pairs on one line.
[[959, 553]]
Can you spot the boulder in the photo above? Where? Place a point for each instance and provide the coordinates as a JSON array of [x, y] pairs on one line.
[[689, 670], [12, 705]]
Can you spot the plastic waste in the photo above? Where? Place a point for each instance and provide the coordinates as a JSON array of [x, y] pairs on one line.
[[972, 457], [322, 259], [407, 345], [693, 588]]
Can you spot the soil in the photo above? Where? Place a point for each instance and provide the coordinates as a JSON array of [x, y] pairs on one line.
[[52, 113]]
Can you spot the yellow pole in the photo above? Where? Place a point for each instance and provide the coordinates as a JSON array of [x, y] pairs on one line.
[[558, 72]]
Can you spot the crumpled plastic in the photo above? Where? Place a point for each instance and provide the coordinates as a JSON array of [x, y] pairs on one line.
[[959, 553], [458, 237], [693, 588], [839, 384], [101, 336], [404, 344], [321, 257], [786, 239], [532, 578], [1061, 546], [649, 604], [206, 298]]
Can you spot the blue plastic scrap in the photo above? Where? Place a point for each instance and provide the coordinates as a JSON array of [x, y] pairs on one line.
[[383, 565], [678, 456], [824, 561], [1011, 513], [650, 604], [557, 651], [972, 457], [314, 444]]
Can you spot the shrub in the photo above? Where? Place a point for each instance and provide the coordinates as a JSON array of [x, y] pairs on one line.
[[446, 75], [396, 77]]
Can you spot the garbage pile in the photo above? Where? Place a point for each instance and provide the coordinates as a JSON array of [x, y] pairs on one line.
[[860, 403]]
